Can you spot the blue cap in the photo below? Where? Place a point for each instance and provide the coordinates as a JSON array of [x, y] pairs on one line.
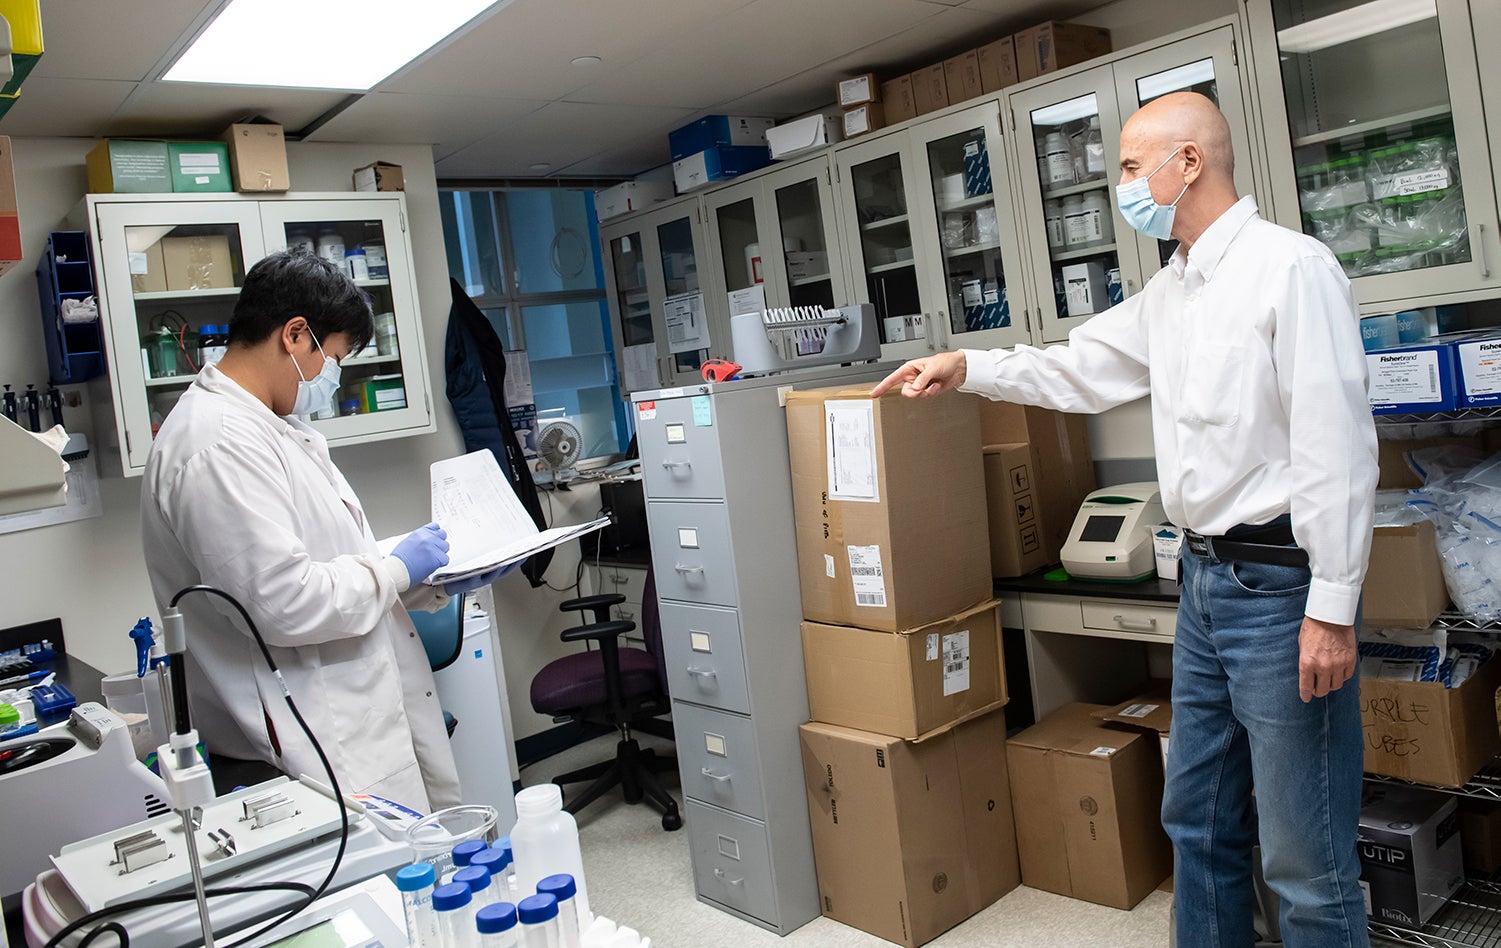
[[561, 886], [465, 851], [417, 876], [447, 898], [477, 878], [536, 909], [495, 918], [494, 860]]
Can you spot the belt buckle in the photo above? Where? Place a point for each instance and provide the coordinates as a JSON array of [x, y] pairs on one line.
[[1198, 544]]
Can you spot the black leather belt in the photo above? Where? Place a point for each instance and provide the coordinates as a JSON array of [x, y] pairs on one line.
[[1271, 543]]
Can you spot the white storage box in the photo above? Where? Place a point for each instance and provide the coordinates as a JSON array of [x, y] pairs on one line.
[[1085, 287], [805, 134], [629, 196]]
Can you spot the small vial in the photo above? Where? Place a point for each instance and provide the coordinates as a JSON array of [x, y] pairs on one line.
[[455, 917], [498, 926], [497, 862], [539, 921], [562, 888], [477, 878], [415, 882], [504, 845], [461, 855]]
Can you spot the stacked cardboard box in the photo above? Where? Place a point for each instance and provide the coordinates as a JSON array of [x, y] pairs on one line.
[[905, 763]]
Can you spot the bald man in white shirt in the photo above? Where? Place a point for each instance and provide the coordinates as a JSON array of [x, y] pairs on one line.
[[1248, 344]]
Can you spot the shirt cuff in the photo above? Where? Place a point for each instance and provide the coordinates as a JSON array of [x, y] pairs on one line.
[[1335, 603], [979, 372], [397, 570]]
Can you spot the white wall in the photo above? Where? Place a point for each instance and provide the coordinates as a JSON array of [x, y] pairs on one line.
[[1139, 21], [91, 573]]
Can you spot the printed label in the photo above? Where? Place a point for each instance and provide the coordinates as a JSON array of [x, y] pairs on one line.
[[1138, 710], [850, 443], [1482, 367], [867, 576], [828, 565], [139, 264], [932, 646], [647, 411], [1420, 182], [1102, 752], [677, 434], [955, 662], [1404, 377]]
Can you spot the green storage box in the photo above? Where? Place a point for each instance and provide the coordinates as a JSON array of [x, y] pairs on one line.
[[124, 166], [383, 393], [199, 166]]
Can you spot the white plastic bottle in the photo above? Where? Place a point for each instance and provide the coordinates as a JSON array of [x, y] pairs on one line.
[[415, 882], [545, 841], [1060, 160], [562, 888], [1094, 150], [453, 905], [539, 921], [1099, 225], [1052, 212], [1075, 222], [498, 926]]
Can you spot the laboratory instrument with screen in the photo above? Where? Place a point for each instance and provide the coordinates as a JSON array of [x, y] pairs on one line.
[[1111, 538]]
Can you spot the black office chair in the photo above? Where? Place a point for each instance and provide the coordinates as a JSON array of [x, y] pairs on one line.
[[624, 688]]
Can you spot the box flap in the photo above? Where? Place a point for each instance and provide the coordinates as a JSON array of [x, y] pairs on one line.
[[1150, 711], [1064, 727], [960, 616]]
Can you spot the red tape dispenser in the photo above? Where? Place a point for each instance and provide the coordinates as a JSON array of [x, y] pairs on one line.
[[720, 370]]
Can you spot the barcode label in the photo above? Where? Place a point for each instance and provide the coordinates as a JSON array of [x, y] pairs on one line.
[[870, 599], [867, 576], [955, 662], [1433, 378]]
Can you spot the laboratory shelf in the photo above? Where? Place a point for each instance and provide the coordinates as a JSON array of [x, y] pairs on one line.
[[172, 381], [1471, 919], [216, 293], [979, 200], [1487, 413], [1064, 192], [972, 248], [884, 267], [1375, 125], [815, 278], [373, 281], [1083, 252], [885, 222], [370, 360]]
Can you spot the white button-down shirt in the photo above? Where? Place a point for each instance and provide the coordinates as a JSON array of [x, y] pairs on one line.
[[1250, 349]]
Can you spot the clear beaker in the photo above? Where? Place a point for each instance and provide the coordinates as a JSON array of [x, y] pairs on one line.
[[433, 837]]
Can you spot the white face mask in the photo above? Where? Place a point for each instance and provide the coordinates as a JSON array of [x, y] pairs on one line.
[[316, 395]]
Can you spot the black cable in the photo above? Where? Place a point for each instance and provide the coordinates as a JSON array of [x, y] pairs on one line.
[[168, 899], [113, 928]]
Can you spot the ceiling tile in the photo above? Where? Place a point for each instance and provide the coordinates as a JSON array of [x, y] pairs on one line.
[[69, 108], [447, 122], [1020, 14], [559, 134], [125, 40], [189, 109]]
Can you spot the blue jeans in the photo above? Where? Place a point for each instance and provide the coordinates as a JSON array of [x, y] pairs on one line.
[[1238, 722]]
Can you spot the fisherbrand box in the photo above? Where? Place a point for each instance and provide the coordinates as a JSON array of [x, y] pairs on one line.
[[1413, 379]]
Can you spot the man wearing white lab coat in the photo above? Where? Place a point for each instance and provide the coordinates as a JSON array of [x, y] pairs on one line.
[[241, 494]]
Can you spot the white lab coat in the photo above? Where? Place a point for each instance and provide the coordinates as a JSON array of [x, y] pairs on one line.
[[249, 502]]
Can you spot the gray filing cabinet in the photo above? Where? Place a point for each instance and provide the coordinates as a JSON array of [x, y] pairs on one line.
[[719, 510]]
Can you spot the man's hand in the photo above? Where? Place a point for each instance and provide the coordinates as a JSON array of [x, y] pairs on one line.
[[924, 378], [1326, 657]]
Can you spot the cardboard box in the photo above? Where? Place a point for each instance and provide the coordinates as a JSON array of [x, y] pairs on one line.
[[961, 75], [121, 166], [258, 158], [24, 19], [930, 89], [1087, 799], [864, 118], [1478, 355], [1404, 582], [629, 196], [718, 164], [1426, 733], [910, 839], [10, 220], [897, 100], [1410, 856], [803, 135], [1480, 834], [1397, 474], [1060, 456], [802, 264], [199, 167], [713, 131], [881, 543], [1151, 711], [198, 263], [1413, 379], [1015, 541], [1084, 287], [997, 64], [1048, 47], [858, 90], [907, 684], [379, 176], [148, 270]]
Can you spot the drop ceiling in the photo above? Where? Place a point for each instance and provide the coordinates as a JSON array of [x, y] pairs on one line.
[[504, 97]]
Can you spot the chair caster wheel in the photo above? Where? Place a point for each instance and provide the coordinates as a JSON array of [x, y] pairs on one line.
[[671, 822]]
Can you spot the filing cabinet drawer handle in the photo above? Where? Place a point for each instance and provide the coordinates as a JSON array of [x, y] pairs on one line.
[[628, 616], [687, 569], [619, 580], [722, 778], [673, 465], [722, 876], [702, 672], [1148, 624]]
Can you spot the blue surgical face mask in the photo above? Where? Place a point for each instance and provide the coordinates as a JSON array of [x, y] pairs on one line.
[[1141, 210], [316, 395]]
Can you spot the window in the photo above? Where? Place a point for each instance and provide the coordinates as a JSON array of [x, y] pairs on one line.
[[528, 259]]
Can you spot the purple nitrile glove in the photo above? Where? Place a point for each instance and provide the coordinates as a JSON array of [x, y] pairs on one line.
[[460, 586], [423, 552]]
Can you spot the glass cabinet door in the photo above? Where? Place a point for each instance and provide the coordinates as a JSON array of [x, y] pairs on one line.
[[1072, 127], [625, 277], [692, 320], [809, 266], [971, 221], [171, 274], [875, 181], [1388, 151]]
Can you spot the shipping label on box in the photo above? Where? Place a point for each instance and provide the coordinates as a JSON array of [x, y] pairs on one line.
[[858, 90], [1410, 852], [1412, 379], [864, 118], [199, 167], [897, 100]]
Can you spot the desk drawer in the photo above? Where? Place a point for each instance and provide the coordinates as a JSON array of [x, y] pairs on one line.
[[731, 860], [680, 448], [690, 547], [705, 661], [717, 758], [1137, 619], [630, 583]]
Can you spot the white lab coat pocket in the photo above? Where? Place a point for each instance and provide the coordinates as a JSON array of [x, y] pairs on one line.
[[1213, 384]]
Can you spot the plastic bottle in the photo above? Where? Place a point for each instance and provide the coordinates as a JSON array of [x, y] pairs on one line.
[[504, 845], [754, 270], [539, 921], [498, 926], [415, 882], [1060, 161], [211, 344], [300, 239], [497, 862], [562, 888], [1075, 224], [477, 878], [545, 841], [1097, 218], [331, 245], [1052, 213], [1094, 151], [356, 264], [452, 903]]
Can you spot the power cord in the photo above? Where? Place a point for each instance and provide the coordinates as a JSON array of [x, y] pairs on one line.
[[333, 781]]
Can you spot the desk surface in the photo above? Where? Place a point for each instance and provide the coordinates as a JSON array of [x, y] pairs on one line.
[[1150, 590]]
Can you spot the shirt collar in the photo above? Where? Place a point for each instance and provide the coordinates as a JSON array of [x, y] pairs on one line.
[[210, 379], [1210, 248]]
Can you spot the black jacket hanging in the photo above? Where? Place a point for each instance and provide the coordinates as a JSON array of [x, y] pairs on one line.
[[475, 365]]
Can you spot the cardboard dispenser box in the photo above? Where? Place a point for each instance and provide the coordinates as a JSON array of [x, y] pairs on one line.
[[198, 263], [910, 839], [258, 157], [1410, 853], [1404, 581], [1087, 799], [1051, 46], [1426, 733], [889, 499], [1059, 457], [379, 176], [906, 684]]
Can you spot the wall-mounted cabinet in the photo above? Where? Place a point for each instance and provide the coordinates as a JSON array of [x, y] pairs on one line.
[[1377, 139], [169, 266]]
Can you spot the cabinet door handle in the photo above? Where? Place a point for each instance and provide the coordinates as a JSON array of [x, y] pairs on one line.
[[1148, 624], [687, 569], [674, 465], [719, 778], [928, 329], [628, 616], [702, 672], [943, 327], [722, 876], [1485, 265]]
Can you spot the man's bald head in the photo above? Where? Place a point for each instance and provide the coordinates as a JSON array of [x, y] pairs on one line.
[[1173, 120]]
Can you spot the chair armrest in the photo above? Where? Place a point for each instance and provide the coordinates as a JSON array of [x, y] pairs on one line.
[[598, 631], [603, 600]]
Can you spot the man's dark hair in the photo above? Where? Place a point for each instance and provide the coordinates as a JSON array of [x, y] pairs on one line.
[[292, 283]]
